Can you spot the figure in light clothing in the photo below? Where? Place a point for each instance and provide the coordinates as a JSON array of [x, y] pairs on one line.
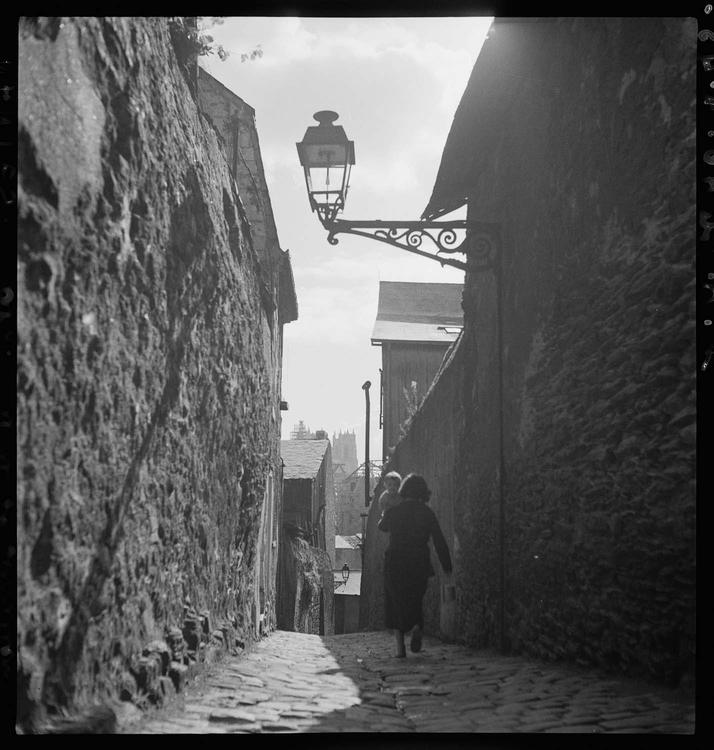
[[390, 497]]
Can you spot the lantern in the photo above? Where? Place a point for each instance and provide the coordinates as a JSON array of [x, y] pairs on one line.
[[326, 156]]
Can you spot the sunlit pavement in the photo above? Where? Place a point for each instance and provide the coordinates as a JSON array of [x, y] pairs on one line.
[[292, 682]]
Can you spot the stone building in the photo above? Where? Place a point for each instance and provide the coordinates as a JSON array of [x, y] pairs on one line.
[[416, 324], [559, 438], [152, 295]]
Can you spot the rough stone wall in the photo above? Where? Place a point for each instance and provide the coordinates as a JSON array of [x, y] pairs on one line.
[[146, 419], [325, 486], [306, 589], [594, 187]]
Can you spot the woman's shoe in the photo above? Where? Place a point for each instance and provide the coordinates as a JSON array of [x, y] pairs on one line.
[[415, 643]]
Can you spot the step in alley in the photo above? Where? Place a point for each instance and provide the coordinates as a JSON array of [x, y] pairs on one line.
[[293, 682]]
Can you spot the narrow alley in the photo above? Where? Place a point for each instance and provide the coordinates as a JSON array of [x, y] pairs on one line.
[[296, 682], [255, 428]]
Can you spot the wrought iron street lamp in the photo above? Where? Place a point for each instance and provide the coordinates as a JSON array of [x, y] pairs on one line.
[[327, 157], [345, 572]]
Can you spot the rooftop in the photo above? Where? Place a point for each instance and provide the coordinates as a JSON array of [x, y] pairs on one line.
[[302, 458], [419, 312], [347, 542], [507, 65]]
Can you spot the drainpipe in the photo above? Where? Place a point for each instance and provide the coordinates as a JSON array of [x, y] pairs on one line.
[[365, 387], [498, 274]]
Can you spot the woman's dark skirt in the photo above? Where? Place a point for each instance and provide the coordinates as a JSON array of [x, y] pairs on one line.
[[404, 589]]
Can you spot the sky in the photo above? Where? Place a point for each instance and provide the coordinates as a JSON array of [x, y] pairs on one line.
[[396, 84]]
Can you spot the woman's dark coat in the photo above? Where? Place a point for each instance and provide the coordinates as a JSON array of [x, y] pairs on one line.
[[407, 566]]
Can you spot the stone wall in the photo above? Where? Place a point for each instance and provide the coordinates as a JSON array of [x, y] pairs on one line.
[[599, 357], [587, 511], [147, 412], [306, 590]]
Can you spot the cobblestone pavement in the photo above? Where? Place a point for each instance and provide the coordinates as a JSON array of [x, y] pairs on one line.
[[292, 682]]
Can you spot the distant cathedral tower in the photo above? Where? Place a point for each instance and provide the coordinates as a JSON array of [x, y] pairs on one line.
[[344, 451]]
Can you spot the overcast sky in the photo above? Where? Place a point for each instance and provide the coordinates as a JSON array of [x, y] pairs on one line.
[[396, 83]]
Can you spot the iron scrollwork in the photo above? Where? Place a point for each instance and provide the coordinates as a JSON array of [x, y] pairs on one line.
[[413, 236], [481, 250], [474, 239]]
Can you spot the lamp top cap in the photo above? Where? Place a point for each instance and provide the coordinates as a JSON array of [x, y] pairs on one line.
[[325, 116]]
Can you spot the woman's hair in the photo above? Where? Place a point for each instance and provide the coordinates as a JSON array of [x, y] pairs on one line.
[[415, 486], [393, 475]]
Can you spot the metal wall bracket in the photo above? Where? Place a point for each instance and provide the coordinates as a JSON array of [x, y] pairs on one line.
[[473, 239]]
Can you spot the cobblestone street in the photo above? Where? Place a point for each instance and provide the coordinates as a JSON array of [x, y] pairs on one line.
[[293, 682]]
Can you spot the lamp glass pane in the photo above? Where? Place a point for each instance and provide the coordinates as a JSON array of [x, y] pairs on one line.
[[324, 155], [327, 185]]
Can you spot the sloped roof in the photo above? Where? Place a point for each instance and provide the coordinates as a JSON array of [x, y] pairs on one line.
[[417, 311], [504, 63], [302, 458], [203, 73], [347, 542]]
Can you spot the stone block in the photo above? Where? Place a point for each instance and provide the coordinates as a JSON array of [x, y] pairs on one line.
[[192, 632], [147, 670], [205, 616], [127, 687], [229, 634], [217, 636], [162, 649], [176, 643], [212, 654], [179, 674], [167, 688]]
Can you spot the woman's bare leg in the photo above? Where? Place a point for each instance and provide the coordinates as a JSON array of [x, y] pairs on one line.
[[415, 644], [399, 638]]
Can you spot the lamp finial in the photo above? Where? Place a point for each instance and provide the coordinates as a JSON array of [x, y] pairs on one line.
[[325, 116]]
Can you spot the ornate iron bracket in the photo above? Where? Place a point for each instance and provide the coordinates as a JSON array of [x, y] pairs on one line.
[[473, 239]]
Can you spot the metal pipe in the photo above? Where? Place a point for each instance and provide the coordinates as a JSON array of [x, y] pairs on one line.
[[364, 534], [381, 398], [365, 387], [498, 274]]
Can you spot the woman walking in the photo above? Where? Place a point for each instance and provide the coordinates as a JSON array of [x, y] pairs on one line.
[[407, 566]]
